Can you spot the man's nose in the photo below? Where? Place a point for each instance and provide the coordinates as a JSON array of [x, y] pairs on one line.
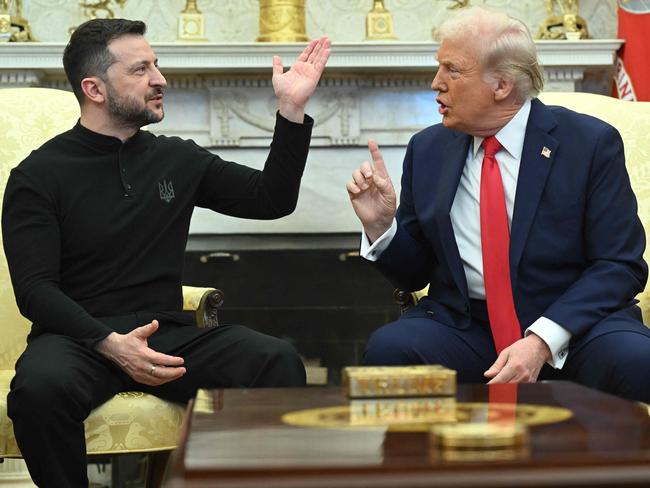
[[437, 84], [158, 79]]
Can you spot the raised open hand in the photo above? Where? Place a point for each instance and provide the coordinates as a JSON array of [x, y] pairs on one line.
[[294, 87], [372, 195]]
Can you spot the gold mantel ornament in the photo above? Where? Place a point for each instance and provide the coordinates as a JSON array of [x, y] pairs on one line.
[[14, 28], [191, 23], [92, 7], [565, 23], [282, 21], [379, 23]]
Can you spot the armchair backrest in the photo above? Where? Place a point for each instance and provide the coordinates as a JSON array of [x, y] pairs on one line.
[[28, 118], [632, 119]]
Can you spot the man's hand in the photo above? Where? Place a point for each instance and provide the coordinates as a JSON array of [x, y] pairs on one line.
[[521, 362], [372, 195], [131, 353], [294, 87]]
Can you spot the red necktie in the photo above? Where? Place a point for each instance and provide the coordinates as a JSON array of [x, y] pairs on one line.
[[495, 243]]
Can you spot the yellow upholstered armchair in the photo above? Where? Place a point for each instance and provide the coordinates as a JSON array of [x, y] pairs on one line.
[[632, 119], [130, 422]]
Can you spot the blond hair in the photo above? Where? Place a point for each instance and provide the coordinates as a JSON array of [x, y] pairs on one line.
[[506, 51]]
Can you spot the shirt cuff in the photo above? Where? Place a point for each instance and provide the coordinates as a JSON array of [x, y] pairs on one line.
[[556, 337], [372, 252]]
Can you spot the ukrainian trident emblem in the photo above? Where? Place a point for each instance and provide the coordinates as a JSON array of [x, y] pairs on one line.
[[166, 190]]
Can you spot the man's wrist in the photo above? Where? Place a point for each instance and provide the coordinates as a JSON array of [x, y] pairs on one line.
[[105, 346], [375, 231], [542, 345], [291, 112]]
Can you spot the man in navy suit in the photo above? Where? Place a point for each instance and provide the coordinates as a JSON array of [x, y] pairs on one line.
[[521, 218]]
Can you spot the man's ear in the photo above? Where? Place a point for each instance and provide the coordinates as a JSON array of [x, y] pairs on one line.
[[503, 89], [94, 88]]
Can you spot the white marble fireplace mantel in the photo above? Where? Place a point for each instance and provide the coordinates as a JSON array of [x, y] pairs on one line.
[[221, 96], [40, 60]]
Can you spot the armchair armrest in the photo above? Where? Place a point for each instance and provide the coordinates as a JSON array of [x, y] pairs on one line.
[[205, 302], [406, 299]]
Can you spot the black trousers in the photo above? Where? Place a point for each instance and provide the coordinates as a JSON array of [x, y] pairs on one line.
[[58, 382]]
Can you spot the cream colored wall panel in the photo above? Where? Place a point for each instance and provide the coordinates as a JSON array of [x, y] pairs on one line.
[[342, 20]]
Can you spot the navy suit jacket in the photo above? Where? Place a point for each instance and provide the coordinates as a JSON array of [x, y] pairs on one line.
[[576, 240]]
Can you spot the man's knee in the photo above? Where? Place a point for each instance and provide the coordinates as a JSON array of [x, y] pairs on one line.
[[387, 346], [40, 395], [618, 363]]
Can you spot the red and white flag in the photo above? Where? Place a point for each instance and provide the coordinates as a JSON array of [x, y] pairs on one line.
[[632, 76]]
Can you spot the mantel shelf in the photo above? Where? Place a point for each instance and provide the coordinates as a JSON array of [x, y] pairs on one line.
[[247, 57]]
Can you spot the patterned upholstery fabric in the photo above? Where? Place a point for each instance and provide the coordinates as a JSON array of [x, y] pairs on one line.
[[130, 422], [632, 119]]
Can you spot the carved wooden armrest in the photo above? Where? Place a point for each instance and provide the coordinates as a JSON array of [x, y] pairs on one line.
[[205, 302], [406, 299]]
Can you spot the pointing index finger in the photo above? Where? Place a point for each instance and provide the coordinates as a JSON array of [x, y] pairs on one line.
[[377, 159]]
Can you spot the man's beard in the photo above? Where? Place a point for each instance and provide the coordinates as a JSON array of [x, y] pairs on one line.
[[127, 112]]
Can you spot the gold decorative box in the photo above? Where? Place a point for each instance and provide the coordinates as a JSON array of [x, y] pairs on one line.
[[470, 435], [398, 381]]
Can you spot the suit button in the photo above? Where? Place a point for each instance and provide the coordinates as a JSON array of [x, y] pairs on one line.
[[430, 313]]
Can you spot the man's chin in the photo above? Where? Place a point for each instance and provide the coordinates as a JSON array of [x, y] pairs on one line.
[[154, 117]]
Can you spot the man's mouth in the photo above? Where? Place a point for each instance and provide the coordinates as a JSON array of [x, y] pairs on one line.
[[442, 109]]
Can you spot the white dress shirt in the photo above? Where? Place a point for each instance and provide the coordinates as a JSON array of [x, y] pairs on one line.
[[466, 222]]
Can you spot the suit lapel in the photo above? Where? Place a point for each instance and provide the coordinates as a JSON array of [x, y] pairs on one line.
[[454, 156], [537, 158]]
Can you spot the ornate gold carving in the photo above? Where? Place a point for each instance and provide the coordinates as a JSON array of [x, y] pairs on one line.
[[191, 23], [565, 23], [458, 4], [398, 381], [93, 7], [282, 21], [379, 23], [14, 27]]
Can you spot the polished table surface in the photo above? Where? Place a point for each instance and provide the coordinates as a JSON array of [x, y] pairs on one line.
[[241, 438]]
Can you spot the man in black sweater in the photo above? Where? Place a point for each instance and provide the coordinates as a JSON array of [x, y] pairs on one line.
[[95, 224]]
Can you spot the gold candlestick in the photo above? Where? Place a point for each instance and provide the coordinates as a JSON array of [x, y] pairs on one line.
[[282, 21], [191, 23], [379, 23], [14, 27]]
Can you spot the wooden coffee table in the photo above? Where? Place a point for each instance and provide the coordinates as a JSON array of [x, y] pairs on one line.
[[316, 438]]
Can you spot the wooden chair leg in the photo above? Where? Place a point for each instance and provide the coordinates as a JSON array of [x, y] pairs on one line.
[[156, 466]]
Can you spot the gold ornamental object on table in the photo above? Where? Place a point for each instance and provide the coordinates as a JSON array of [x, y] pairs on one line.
[[563, 21], [191, 23], [282, 21], [480, 442], [379, 23], [14, 27], [398, 381]]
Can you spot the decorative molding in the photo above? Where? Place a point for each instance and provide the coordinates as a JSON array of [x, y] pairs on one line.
[[246, 57], [18, 78]]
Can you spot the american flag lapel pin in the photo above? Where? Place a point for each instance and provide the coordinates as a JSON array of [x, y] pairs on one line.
[[546, 152]]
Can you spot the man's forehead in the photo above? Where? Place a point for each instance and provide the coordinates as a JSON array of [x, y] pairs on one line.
[[130, 48], [455, 51]]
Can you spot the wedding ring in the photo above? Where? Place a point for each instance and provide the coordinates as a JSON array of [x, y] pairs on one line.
[[152, 371]]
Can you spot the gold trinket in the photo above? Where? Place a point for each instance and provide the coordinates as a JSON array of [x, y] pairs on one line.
[[484, 435], [379, 23], [398, 381]]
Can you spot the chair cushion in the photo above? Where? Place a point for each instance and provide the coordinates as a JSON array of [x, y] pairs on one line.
[[129, 422]]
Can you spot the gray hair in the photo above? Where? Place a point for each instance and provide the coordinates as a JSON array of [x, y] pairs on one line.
[[507, 49]]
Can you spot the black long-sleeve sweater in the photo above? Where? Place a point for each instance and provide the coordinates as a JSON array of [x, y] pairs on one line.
[[94, 227]]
